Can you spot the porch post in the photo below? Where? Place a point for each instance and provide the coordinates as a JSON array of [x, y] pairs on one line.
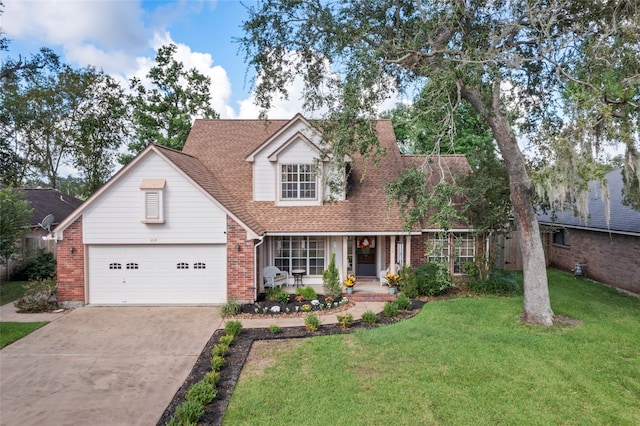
[[345, 257], [392, 255], [407, 250]]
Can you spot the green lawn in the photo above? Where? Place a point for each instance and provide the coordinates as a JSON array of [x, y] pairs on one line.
[[467, 361], [11, 290], [12, 331]]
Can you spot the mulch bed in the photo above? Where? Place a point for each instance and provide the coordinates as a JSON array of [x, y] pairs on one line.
[[237, 355]]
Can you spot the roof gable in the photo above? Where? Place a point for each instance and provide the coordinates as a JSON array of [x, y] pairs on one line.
[[298, 126], [45, 201]]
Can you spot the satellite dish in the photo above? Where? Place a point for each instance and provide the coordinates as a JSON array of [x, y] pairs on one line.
[[47, 222]]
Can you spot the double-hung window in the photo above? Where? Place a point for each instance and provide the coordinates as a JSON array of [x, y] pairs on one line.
[[298, 181], [453, 249]]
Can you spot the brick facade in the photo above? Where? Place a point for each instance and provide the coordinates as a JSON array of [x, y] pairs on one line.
[[612, 259], [71, 279], [240, 264]]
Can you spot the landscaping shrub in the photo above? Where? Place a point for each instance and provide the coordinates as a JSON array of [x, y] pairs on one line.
[[403, 302], [277, 294], [226, 340], [369, 317], [409, 282], [189, 412], [231, 308], [39, 267], [38, 297], [331, 279], [500, 282], [212, 377], [217, 362], [201, 392], [275, 328], [308, 293], [220, 349], [233, 328], [312, 322], [390, 309], [433, 278], [345, 320]]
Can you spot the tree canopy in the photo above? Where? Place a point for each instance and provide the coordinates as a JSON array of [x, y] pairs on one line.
[[14, 216], [538, 60]]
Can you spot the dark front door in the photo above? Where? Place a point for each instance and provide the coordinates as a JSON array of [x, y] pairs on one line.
[[365, 257]]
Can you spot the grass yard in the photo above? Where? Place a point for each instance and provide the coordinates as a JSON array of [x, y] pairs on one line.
[[466, 361], [12, 331], [11, 290]]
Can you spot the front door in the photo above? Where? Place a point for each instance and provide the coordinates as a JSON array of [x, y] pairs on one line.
[[366, 257]]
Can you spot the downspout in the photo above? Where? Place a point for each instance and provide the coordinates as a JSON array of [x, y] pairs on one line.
[[255, 267]]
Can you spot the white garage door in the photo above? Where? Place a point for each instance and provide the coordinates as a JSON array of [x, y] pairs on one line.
[[157, 274]]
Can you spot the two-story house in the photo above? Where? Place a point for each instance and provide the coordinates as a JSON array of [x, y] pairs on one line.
[[199, 226]]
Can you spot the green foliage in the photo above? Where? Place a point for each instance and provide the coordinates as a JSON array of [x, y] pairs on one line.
[[369, 317], [312, 322], [500, 282], [230, 308], [277, 294], [403, 302], [14, 215], [409, 282], [189, 412], [275, 329], [308, 293], [12, 331], [39, 267], [163, 113], [38, 297], [219, 350], [345, 320], [201, 392], [11, 290], [306, 307], [390, 309], [331, 279], [217, 362], [433, 278], [212, 377], [226, 340], [233, 328]]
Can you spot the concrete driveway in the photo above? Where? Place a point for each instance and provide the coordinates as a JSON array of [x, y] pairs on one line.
[[102, 365]]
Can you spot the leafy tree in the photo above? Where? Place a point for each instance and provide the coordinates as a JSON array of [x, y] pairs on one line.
[[14, 215], [535, 58], [164, 113]]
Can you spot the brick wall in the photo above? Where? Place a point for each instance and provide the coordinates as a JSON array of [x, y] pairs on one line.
[[240, 264], [71, 266], [611, 258]]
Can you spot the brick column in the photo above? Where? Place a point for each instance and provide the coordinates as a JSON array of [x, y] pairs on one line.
[[70, 254], [240, 264]]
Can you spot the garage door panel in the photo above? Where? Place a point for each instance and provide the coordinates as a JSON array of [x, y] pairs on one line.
[[157, 274]]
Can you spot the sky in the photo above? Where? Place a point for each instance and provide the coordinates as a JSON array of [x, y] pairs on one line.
[[121, 37]]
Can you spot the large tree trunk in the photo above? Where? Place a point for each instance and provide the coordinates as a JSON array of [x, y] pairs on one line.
[[537, 305]]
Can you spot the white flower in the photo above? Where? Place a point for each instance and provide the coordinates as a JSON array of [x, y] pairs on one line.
[[275, 309], [315, 302]]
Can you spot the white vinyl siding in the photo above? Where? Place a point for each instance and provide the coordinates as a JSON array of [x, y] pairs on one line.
[[190, 216]]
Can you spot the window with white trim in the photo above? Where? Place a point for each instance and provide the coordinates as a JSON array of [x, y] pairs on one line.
[[297, 182], [153, 191], [293, 252], [453, 249], [464, 250]]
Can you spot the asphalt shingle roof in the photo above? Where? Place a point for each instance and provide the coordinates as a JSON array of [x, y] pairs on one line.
[[45, 201]]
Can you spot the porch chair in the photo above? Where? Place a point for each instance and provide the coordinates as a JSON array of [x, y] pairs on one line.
[[275, 277], [383, 275]]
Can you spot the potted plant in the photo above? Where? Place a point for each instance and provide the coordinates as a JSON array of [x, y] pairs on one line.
[[392, 282], [349, 283]]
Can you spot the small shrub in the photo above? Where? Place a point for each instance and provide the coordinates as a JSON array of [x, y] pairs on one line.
[[226, 340], [219, 350], [212, 377], [217, 362], [331, 279], [189, 412], [308, 293], [500, 282], [231, 308], [173, 422], [404, 303], [312, 322], [306, 307], [38, 297], [409, 282], [39, 267], [345, 320], [233, 328], [433, 278], [390, 309], [275, 328], [369, 317], [277, 294], [201, 392]]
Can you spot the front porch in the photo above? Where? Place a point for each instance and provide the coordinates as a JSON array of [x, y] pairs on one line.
[[366, 289]]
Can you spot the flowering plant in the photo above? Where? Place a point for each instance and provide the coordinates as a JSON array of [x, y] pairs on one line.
[[350, 281], [393, 279]]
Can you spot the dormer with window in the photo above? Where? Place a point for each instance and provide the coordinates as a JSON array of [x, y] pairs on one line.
[[289, 168]]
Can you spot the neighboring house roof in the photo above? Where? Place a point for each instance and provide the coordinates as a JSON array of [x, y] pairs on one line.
[[45, 201], [623, 219]]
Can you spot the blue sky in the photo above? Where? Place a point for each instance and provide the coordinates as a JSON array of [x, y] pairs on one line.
[[121, 37]]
